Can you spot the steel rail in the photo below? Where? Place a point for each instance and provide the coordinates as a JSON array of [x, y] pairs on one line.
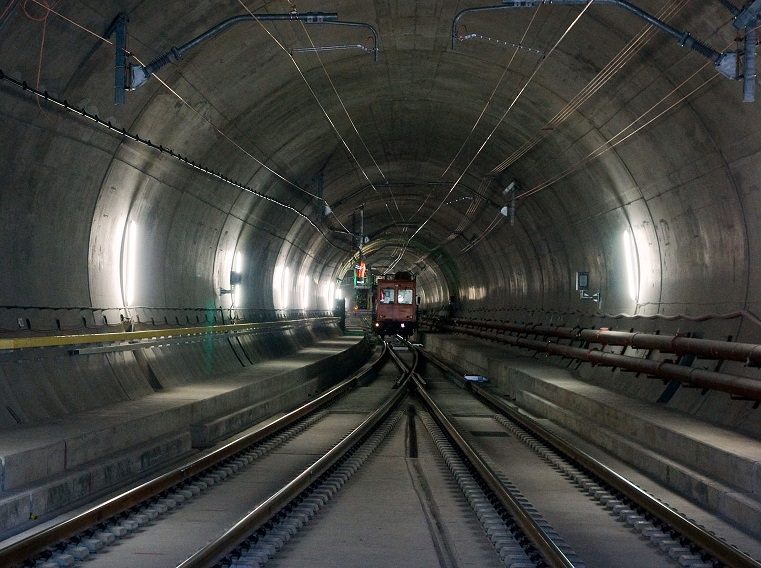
[[720, 549], [549, 550], [18, 553], [216, 550], [744, 387], [407, 372], [185, 332]]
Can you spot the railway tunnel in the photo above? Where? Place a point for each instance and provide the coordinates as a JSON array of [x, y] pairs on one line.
[[585, 165]]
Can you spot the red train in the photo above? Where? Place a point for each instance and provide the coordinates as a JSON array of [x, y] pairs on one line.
[[395, 305]]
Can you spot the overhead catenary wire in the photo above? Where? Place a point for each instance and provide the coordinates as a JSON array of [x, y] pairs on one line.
[[601, 79], [606, 146], [227, 137], [606, 74], [356, 131], [613, 141], [502, 118], [319, 103], [341, 102], [623, 134], [491, 97]]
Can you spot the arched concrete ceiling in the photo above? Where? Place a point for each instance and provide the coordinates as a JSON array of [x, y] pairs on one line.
[[419, 146]]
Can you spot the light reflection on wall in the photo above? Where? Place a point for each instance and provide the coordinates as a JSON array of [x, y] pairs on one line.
[[328, 294], [280, 285], [304, 289], [129, 264], [475, 293]]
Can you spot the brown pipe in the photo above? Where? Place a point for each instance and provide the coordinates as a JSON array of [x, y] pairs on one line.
[[733, 384], [748, 353]]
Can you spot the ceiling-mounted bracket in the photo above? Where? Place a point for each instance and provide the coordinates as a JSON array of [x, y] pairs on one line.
[[747, 19], [119, 27], [133, 76], [726, 63], [510, 193]]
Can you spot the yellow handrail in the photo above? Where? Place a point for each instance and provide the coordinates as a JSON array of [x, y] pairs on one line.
[[60, 340]]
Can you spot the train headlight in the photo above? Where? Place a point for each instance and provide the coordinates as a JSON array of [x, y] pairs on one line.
[[402, 326]]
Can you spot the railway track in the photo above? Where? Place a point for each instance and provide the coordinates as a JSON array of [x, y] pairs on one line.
[[92, 534], [408, 469], [655, 524]]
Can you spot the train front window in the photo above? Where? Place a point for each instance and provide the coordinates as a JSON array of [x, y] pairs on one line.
[[387, 296], [405, 296]]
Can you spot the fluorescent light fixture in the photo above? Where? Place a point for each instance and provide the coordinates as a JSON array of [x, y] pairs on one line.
[[130, 263], [632, 269], [238, 264]]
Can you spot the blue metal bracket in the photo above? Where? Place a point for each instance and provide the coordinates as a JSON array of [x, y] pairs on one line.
[[119, 27]]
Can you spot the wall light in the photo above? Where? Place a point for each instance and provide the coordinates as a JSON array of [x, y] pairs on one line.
[[236, 274], [331, 299], [632, 266], [236, 296], [236, 277], [286, 287], [277, 280], [304, 290], [281, 285]]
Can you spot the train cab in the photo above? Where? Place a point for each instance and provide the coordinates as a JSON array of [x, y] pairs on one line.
[[395, 305]]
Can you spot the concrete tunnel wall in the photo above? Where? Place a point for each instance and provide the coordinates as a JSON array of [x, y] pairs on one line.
[[686, 185]]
